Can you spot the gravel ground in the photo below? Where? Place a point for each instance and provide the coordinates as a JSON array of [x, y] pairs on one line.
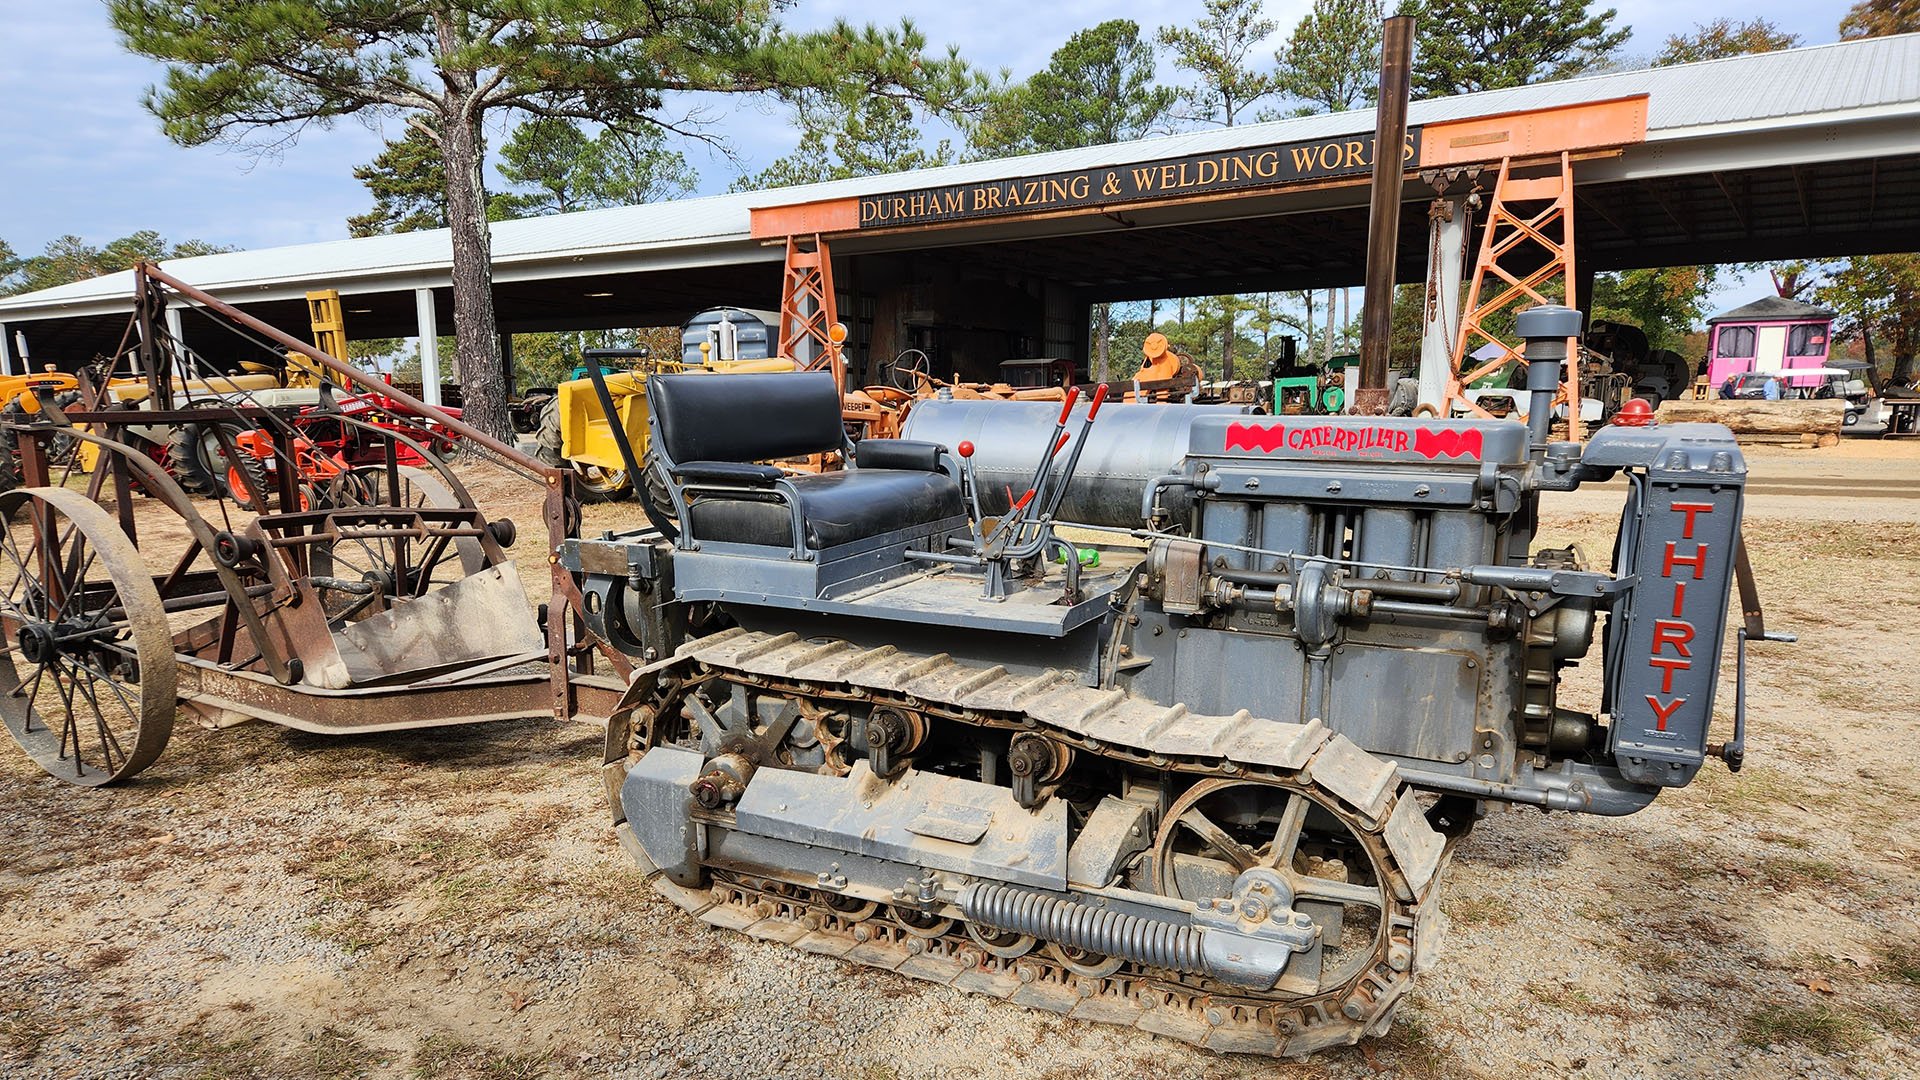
[[263, 903]]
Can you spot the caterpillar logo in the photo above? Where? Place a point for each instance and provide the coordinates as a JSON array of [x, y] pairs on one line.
[[1253, 437], [1356, 439], [1431, 444]]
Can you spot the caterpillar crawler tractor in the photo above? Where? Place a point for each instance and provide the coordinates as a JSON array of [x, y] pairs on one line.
[[1207, 787]]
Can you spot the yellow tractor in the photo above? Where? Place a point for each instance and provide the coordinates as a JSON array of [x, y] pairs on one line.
[[573, 430]]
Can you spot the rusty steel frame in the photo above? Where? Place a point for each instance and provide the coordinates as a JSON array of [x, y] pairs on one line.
[[247, 660], [559, 510]]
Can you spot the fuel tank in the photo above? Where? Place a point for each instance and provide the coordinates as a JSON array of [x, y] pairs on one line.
[[1127, 446]]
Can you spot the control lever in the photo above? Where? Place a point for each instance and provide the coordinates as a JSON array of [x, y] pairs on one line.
[[1041, 473], [1059, 492], [973, 492], [1734, 750]]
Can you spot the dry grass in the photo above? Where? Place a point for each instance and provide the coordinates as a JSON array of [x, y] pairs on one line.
[[443, 1057], [1818, 1027], [1902, 963], [1481, 910], [1578, 1001]]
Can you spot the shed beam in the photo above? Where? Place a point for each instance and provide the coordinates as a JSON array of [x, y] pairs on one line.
[[1733, 204], [1873, 190], [1653, 189], [1589, 202]]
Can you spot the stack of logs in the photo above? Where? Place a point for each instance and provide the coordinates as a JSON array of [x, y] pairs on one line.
[[1810, 423]]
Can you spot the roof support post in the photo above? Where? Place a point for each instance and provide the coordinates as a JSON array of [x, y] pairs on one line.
[[1440, 322], [176, 332], [429, 332], [6, 351]]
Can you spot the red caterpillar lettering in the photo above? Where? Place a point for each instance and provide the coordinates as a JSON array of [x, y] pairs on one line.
[[1431, 444]]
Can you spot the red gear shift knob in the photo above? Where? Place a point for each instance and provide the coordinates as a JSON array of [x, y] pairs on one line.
[[966, 449]]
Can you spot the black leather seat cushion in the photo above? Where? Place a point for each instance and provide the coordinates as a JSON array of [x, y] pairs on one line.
[[840, 508], [747, 417]]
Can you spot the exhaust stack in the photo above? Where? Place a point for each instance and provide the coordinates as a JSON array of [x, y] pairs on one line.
[[1383, 223]]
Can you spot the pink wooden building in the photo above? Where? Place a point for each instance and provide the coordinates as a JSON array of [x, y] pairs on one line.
[[1772, 334]]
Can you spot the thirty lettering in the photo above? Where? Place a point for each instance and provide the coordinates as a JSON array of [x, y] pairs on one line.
[[1676, 634]]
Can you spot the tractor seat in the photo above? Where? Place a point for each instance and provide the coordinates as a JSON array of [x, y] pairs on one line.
[[712, 430], [836, 507]]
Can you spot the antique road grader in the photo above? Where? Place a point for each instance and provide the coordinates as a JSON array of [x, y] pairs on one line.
[[349, 609]]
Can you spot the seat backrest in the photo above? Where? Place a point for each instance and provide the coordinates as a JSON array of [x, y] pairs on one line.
[[759, 417]]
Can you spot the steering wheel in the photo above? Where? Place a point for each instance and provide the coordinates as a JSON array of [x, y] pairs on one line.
[[915, 364]]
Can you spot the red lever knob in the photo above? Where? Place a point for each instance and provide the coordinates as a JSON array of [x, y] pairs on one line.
[[966, 449], [1099, 399], [1066, 410]]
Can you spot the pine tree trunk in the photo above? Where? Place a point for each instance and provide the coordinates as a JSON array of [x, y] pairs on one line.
[[1103, 336], [1326, 347], [483, 385]]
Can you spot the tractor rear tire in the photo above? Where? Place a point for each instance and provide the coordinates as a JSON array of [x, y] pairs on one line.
[[195, 459], [250, 485], [592, 483]]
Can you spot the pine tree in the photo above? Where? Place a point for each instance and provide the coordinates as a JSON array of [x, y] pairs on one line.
[[1217, 50], [1722, 38], [408, 181], [1097, 88], [1331, 61], [1464, 46], [239, 71]]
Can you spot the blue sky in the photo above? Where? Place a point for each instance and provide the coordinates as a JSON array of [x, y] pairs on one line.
[[81, 156]]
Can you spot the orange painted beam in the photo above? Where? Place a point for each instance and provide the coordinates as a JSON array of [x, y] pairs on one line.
[[831, 216], [1588, 126]]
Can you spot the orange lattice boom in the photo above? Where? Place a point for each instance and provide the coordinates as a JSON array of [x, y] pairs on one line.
[[1529, 224]]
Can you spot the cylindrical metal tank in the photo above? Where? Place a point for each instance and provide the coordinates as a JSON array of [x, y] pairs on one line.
[[1127, 446]]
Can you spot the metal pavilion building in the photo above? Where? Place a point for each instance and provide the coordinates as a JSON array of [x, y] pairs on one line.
[[1810, 152]]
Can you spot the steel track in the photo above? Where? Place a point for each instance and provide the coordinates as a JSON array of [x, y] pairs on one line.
[[1378, 811]]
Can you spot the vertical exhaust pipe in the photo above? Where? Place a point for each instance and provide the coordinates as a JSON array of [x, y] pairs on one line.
[[1383, 222], [1545, 330]]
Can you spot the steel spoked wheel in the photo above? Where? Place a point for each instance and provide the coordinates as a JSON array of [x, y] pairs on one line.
[[394, 569], [87, 675], [1219, 829]]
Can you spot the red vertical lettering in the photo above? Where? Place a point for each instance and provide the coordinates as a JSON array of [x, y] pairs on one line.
[[1665, 714], [1679, 597], [1697, 560], [1672, 632], [1691, 509], [1669, 666]]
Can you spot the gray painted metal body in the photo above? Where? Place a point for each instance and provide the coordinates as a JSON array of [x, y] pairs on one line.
[[1127, 448], [1394, 594]]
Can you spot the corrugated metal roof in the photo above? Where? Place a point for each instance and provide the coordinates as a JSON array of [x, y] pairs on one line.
[[1821, 81]]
